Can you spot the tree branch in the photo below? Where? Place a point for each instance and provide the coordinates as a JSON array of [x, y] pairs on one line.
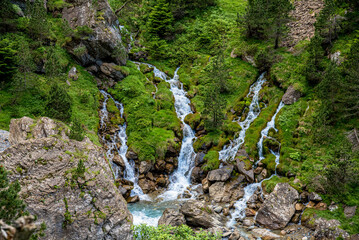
[[118, 10]]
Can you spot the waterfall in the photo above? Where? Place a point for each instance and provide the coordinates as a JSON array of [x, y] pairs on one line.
[[229, 151], [250, 189], [121, 137], [180, 180]]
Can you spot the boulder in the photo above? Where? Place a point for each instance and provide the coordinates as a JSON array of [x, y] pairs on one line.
[[349, 211], [169, 168], [197, 214], [242, 153], [101, 39], [205, 185], [248, 173], [220, 175], [133, 199], [197, 175], [131, 155], [52, 189], [73, 74], [329, 229], [291, 96], [145, 166], [118, 160], [199, 159], [265, 234], [226, 193], [147, 185], [315, 197], [160, 165], [278, 209], [172, 217]]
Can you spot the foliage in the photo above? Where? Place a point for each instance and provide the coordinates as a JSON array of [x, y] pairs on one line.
[[59, 103], [7, 59], [38, 26], [11, 206], [212, 161], [76, 131], [160, 19], [183, 232]]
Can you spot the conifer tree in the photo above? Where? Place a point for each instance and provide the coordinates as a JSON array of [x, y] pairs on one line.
[[38, 26], [7, 59], [59, 103], [160, 19], [11, 206]]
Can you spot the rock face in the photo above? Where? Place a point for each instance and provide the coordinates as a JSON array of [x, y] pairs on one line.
[[74, 204], [98, 40], [290, 96], [278, 209], [172, 217], [197, 214], [220, 175]]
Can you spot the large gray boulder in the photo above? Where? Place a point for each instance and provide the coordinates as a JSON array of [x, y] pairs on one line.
[[220, 175], [329, 229], [226, 193], [241, 166], [291, 96], [172, 217], [197, 214], [278, 209], [72, 203]]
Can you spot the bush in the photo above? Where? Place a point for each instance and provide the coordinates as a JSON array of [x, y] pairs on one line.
[[76, 132], [59, 103], [144, 232]]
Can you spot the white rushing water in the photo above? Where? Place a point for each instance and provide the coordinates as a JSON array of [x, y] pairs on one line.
[[229, 151], [120, 137], [250, 189], [180, 180]]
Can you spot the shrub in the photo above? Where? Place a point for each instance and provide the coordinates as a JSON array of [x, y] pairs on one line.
[[59, 103]]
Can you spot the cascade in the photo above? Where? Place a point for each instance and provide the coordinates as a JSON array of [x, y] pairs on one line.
[[121, 137], [229, 151], [250, 189]]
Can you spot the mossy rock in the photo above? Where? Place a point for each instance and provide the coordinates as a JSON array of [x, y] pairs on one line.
[[193, 120], [146, 69], [111, 107], [231, 128], [270, 144], [212, 161]]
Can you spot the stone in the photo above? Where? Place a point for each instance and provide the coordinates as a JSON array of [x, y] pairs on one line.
[[349, 211], [48, 158], [169, 168], [296, 218], [278, 208], [247, 223], [225, 193], [311, 204], [321, 206], [118, 160], [222, 174], [315, 197], [242, 153], [73, 74], [197, 214], [145, 166], [291, 96], [147, 185], [131, 155], [226, 211], [299, 207], [160, 165], [329, 229], [162, 181], [133, 199], [218, 209], [199, 159], [235, 235], [172, 217], [265, 234], [250, 212], [197, 175], [205, 185], [248, 173]]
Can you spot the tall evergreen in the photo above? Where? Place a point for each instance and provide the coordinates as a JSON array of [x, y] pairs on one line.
[[160, 19], [59, 103], [38, 26], [11, 206]]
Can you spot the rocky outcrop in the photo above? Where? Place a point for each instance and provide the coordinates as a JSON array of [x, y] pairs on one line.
[[304, 17], [97, 41], [279, 208], [197, 214], [67, 184], [329, 229], [290, 96], [172, 217], [22, 229]]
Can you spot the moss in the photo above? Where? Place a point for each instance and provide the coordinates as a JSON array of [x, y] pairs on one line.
[[193, 120], [212, 161]]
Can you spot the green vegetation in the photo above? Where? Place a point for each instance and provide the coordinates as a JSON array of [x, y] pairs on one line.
[[183, 232], [11, 206]]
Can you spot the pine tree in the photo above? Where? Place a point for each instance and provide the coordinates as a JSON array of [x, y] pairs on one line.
[[11, 206], [160, 19], [38, 26], [25, 62], [7, 59], [255, 18], [59, 103]]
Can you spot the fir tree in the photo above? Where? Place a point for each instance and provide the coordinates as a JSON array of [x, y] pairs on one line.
[[7, 59], [160, 19], [38, 26], [11, 206], [59, 103]]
